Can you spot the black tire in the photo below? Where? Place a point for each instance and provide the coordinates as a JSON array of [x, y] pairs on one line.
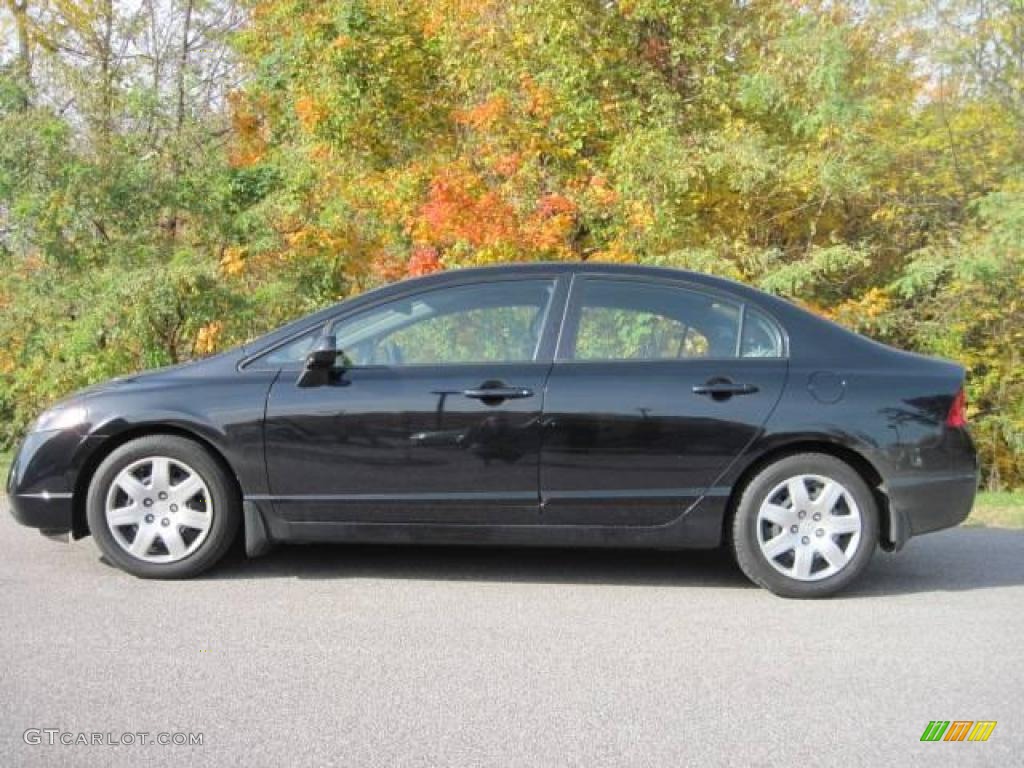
[[226, 507], [744, 534]]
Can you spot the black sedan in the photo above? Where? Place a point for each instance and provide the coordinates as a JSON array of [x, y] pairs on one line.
[[573, 405]]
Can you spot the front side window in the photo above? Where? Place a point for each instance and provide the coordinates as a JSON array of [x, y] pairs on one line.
[[294, 351], [629, 320], [499, 322]]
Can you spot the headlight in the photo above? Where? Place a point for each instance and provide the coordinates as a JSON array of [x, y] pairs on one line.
[[62, 417]]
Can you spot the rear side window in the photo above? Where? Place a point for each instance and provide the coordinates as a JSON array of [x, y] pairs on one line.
[[632, 320], [628, 320], [761, 337]]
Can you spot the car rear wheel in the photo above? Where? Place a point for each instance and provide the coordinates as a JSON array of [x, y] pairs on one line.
[[805, 526], [162, 507]]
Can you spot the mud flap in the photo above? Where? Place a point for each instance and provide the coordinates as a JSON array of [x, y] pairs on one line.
[[257, 539]]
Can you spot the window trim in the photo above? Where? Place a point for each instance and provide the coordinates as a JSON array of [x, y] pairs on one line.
[[571, 319], [545, 349]]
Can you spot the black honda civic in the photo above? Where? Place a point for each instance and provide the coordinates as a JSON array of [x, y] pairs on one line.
[[572, 405]]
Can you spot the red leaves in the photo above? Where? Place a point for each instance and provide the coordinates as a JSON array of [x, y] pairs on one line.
[[424, 261], [459, 208], [555, 204]]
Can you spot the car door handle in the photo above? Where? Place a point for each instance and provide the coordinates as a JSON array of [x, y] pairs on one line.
[[721, 389], [498, 393]]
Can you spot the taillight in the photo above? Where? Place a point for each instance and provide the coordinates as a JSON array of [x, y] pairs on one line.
[[957, 416]]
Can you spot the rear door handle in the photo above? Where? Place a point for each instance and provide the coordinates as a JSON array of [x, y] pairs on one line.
[[722, 389], [498, 393]]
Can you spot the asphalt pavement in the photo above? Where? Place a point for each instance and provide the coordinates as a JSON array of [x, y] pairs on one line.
[[367, 656]]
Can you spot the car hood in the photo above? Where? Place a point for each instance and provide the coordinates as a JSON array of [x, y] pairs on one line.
[[190, 368]]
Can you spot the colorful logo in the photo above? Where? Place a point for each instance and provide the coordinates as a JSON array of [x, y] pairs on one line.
[[958, 730]]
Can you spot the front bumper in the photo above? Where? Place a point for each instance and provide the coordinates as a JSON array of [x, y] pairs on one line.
[[41, 481], [52, 515]]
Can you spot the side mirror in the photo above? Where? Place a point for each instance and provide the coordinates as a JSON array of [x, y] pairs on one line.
[[319, 363]]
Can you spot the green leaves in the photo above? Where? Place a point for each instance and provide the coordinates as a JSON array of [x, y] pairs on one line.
[[864, 160]]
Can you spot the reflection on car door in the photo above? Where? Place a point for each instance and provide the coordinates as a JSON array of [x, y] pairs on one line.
[[655, 390], [435, 417]]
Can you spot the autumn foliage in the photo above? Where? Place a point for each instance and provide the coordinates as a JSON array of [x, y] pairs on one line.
[[864, 159]]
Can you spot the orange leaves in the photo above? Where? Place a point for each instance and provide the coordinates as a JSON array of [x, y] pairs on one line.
[[250, 132], [600, 193], [551, 225], [341, 42], [507, 165], [555, 205], [485, 114], [457, 17], [463, 211], [460, 208], [309, 112], [387, 268], [539, 98]]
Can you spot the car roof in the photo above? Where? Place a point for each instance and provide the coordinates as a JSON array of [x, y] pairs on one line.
[[818, 334], [516, 269]]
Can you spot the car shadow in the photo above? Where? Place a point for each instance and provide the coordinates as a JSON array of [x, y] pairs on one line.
[[957, 560], [712, 568]]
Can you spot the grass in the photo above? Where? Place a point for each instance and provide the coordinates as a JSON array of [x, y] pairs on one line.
[[997, 509]]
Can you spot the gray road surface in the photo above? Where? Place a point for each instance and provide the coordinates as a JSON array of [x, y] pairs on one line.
[[427, 657]]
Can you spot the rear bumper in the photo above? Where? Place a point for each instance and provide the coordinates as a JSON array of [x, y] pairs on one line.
[[922, 504]]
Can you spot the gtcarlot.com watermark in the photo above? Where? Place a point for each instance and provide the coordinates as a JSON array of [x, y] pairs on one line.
[[54, 737]]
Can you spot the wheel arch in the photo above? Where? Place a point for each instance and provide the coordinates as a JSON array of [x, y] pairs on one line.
[[889, 528], [79, 523]]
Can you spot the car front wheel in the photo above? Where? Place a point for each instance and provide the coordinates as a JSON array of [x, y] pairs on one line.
[[162, 507], [805, 526]]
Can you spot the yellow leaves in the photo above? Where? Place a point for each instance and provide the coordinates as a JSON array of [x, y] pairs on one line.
[[312, 239], [886, 214], [873, 304], [207, 338], [641, 215], [616, 253], [860, 312], [828, 134], [232, 262]]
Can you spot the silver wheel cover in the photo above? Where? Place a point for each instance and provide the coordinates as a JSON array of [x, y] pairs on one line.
[[809, 527], [159, 509]]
